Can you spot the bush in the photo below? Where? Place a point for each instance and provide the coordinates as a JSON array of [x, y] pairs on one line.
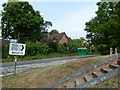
[[53, 46], [61, 48], [5, 51], [72, 48], [33, 49], [103, 49], [67, 48]]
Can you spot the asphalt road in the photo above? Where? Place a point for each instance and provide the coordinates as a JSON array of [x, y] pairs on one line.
[[8, 68]]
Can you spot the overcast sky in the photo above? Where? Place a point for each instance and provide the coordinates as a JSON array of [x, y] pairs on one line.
[[66, 16]]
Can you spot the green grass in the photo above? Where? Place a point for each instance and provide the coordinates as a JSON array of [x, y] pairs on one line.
[[42, 77], [41, 56]]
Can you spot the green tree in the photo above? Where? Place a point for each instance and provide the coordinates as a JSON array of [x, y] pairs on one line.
[[103, 29], [116, 26], [46, 25], [45, 28], [53, 32], [20, 21], [78, 42]]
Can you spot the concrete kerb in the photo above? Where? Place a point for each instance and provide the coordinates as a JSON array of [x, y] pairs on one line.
[[81, 72]]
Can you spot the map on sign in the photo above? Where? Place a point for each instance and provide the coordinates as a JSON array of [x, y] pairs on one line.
[[17, 49]]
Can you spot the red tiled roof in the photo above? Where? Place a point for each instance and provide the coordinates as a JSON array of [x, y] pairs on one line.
[[56, 37]]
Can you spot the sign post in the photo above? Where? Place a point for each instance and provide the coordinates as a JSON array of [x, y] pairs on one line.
[[15, 65], [16, 49]]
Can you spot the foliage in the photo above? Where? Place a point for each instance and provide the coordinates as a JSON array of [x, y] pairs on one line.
[[72, 48], [53, 32], [78, 42], [47, 24], [20, 21], [5, 51], [33, 49], [75, 44], [103, 49], [53, 46], [45, 28], [61, 48], [104, 28], [41, 50]]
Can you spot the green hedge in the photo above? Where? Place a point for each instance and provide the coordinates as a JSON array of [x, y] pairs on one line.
[[5, 51], [33, 49]]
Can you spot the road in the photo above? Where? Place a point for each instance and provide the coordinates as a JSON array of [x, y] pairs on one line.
[[8, 68]]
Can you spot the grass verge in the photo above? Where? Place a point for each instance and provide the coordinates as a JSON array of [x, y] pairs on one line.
[[41, 56], [42, 77]]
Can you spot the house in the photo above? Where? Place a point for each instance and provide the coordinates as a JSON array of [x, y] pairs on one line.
[[60, 38]]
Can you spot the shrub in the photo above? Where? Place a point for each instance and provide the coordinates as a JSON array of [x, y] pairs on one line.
[[72, 48], [53, 46], [5, 51], [61, 48], [33, 49], [103, 49]]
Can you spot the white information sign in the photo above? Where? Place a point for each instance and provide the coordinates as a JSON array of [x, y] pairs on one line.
[[17, 49]]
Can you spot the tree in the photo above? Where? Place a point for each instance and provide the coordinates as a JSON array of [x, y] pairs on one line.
[[20, 21], [45, 28], [116, 26], [78, 42], [103, 29], [0, 28], [53, 32], [46, 25]]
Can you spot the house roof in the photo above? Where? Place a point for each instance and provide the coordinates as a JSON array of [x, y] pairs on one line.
[[69, 39], [56, 37]]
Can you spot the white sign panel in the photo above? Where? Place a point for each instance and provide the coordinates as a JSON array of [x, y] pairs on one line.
[[17, 49]]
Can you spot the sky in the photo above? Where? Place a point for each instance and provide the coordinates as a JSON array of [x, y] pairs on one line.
[[69, 17]]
